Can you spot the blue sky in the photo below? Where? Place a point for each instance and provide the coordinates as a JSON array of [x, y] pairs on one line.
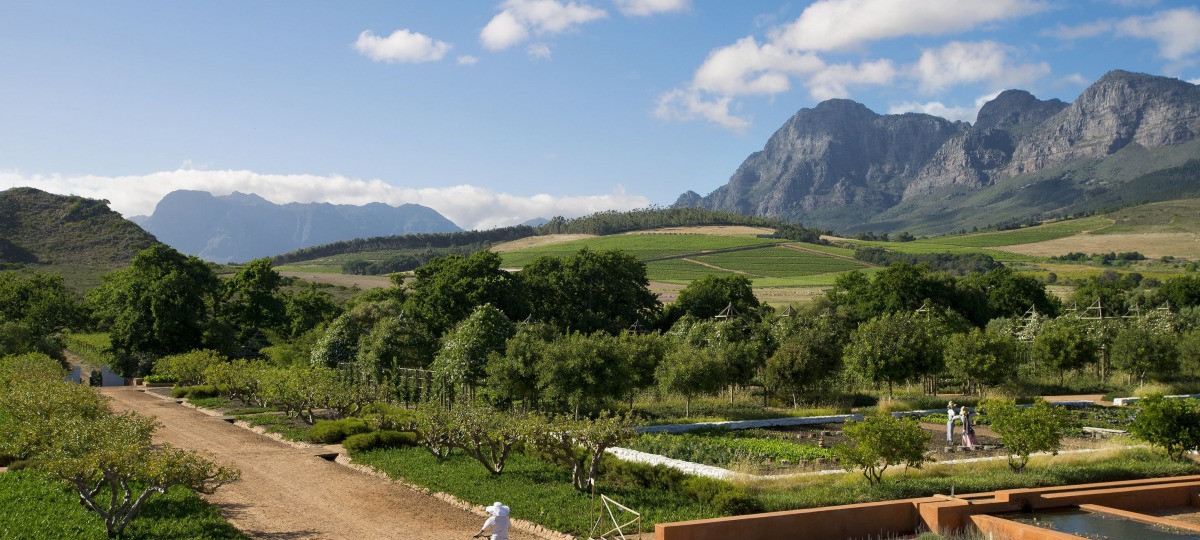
[[497, 112]]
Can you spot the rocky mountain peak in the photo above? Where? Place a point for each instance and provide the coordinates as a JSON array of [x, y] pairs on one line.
[[1016, 108]]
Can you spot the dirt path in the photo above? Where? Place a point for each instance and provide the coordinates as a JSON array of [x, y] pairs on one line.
[[287, 492]]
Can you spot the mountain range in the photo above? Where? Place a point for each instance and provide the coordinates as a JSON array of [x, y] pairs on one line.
[[1128, 138], [240, 227]]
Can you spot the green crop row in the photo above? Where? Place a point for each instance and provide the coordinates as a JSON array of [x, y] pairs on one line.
[[780, 262], [680, 271], [642, 246], [723, 448]]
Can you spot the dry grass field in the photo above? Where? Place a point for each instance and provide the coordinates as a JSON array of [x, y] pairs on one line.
[[1153, 245], [538, 241], [714, 230], [342, 280]]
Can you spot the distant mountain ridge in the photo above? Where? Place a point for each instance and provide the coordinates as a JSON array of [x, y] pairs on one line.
[[240, 227], [841, 166]]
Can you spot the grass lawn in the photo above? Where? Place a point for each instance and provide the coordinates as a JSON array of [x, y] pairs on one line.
[[36, 506]]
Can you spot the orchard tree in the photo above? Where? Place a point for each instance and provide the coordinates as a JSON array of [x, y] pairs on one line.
[[514, 375], [306, 309], [880, 441], [1010, 294], [983, 357], [583, 371], [1025, 430], [342, 340], [578, 444], [1138, 350], [40, 303], [891, 349], [1063, 345], [808, 357], [1173, 424], [690, 371]]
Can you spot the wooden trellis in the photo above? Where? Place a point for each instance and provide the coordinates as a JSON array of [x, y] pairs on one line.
[[619, 526]]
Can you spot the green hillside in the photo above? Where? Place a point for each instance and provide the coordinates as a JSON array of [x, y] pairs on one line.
[[76, 237]]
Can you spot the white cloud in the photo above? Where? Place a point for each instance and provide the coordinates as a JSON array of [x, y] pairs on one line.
[[1194, 81], [749, 68], [643, 8], [937, 108], [519, 19], [469, 207], [829, 25], [1076, 79], [401, 46], [831, 82], [1177, 31], [467, 60], [967, 62], [689, 104], [540, 51], [1085, 30]]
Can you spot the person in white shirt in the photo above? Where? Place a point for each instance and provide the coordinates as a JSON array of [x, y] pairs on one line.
[[498, 521]]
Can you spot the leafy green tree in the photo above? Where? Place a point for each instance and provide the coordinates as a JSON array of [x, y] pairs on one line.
[[1109, 288], [448, 289], [589, 291], [343, 338], [708, 296], [1173, 424], [643, 353], [162, 304], [881, 441], [240, 379], [462, 361], [1181, 291], [1063, 345], [1010, 294], [397, 342], [583, 371], [740, 345], [306, 309], [41, 303], [983, 357], [891, 349], [1138, 350], [1025, 430], [252, 304], [690, 371]]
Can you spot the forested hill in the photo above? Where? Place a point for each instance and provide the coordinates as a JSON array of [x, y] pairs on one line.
[[602, 223], [78, 237]]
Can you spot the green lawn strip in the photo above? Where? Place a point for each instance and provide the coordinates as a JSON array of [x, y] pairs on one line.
[[535, 490], [975, 478], [286, 427], [36, 506]]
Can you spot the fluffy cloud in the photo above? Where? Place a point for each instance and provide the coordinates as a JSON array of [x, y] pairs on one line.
[[689, 104], [644, 8], [960, 62], [1085, 30], [937, 108], [540, 51], [467, 60], [830, 25], [401, 46], [470, 207], [749, 68], [832, 81], [1177, 31], [519, 19]]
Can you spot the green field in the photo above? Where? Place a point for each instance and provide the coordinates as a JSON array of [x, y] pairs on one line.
[[780, 262], [645, 247], [680, 271], [1027, 235]]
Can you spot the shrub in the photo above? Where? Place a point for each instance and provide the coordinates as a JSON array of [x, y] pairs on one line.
[[735, 502], [882, 441], [1023, 431], [159, 379], [336, 431], [194, 392], [363, 442], [382, 416], [1173, 424], [618, 472]]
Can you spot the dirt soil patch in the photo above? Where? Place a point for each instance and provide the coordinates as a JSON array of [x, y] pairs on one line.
[[288, 492], [342, 280]]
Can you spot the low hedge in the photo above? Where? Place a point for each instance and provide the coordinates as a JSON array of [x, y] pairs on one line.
[[195, 392], [336, 431], [377, 440]]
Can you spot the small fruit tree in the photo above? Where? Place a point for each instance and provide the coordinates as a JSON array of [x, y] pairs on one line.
[[1025, 430], [881, 441]]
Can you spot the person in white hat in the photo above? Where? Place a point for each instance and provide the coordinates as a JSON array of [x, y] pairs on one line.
[[498, 521]]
